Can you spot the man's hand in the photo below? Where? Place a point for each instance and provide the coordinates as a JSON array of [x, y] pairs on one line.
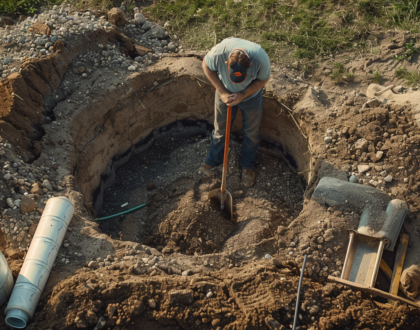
[[234, 99], [226, 97]]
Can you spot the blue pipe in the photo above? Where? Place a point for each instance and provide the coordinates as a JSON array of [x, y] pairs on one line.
[[121, 213]]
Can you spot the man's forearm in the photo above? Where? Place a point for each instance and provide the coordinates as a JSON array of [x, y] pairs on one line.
[[255, 86], [214, 79]]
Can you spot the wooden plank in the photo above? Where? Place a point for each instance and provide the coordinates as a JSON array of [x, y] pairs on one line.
[[399, 264], [388, 272], [373, 291]]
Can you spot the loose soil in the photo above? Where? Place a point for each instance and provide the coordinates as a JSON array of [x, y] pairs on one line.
[[179, 263], [178, 214]]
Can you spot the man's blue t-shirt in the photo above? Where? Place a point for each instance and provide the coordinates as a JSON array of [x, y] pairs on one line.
[[260, 68]]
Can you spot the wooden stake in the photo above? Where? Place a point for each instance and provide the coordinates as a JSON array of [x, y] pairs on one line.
[[399, 264]]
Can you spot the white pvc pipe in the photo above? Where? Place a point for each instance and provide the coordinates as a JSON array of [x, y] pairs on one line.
[[38, 261], [6, 280]]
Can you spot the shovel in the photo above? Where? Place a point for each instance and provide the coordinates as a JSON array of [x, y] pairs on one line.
[[222, 195]]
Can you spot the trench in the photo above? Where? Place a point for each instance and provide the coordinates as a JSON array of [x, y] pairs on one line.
[[151, 152]]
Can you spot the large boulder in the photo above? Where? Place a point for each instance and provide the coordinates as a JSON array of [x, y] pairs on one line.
[[116, 16]]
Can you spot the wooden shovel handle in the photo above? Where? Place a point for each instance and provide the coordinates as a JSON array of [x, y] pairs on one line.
[[226, 152]]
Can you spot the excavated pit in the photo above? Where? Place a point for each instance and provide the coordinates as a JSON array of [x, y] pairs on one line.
[[178, 216], [105, 130], [150, 148]]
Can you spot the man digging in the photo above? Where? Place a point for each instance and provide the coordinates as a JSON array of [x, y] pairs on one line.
[[238, 69]]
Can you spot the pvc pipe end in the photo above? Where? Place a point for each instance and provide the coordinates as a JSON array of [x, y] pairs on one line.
[[16, 318]]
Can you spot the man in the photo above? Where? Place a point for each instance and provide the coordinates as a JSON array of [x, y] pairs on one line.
[[238, 69]]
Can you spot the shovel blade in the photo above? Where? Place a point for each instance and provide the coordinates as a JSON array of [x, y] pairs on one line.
[[225, 200]]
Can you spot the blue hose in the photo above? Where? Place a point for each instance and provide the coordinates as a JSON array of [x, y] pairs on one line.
[[121, 213]]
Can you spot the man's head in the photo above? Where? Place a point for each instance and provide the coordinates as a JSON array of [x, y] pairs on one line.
[[238, 64]]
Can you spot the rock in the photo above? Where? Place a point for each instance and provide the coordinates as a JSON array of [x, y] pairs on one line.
[[139, 18], [398, 89], [272, 324], [328, 139], [110, 310], [141, 50], [361, 144], [101, 323], [147, 26], [10, 203], [151, 303], [268, 257], [353, 179], [156, 32], [32, 229], [137, 308], [373, 103], [41, 28], [379, 155], [85, 319], [388, 178], [328, 235], [116, 16], [36, 189], [183, 297], [93, 264], [7, 60], [150, 186], [47, 185], [187, 272], [131, 68], [313, 310], [15, 254], [209, 294], [410, 280], [363, 168], [27, 204], [171, 47], [54, 39]]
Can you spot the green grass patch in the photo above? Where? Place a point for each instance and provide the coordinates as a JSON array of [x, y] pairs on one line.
[[400, 72], [302, 29], [412, 77], [411, 48], [24, 7], [307, 29]]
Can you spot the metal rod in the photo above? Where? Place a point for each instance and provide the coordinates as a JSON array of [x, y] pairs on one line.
[[298, 293], [346, 260], [377, 264]]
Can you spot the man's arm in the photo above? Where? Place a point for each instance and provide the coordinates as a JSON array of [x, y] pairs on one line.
[[225, 95], [256, 85]]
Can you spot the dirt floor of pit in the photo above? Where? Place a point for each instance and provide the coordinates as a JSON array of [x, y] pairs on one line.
[[179, 217]]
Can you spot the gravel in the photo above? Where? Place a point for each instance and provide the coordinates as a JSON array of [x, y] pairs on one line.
[[22, 42]]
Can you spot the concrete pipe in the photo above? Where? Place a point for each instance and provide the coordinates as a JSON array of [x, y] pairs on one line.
[[6, 280], [38, 261]]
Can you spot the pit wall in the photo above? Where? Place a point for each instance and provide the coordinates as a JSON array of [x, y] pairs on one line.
[[23, 93], [175, 89]]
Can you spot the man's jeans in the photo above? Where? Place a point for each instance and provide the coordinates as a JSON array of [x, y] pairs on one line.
[[251, 113]]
